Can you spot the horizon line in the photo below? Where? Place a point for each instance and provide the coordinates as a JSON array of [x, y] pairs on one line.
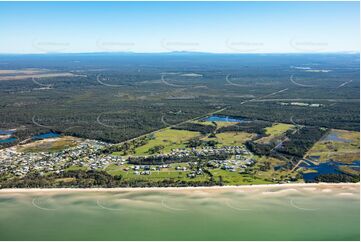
[[182, 52]]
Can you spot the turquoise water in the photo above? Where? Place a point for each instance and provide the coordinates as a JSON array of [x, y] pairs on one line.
[[8, 140], [35, 137], [46, 136], [218, 118], [239, 214]]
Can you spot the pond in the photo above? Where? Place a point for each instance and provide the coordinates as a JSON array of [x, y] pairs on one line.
[[6, 132], [7, 140], [46, 135], [330, 167], [220, 118]]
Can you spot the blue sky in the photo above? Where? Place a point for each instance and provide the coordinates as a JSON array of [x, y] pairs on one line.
[[240, 27]]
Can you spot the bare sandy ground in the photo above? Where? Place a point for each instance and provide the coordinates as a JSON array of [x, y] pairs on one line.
[[5, 136], [48, 142], [22, 71], [306, 186], [45, 75]]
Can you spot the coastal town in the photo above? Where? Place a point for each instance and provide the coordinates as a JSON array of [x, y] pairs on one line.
[[219, 153], [20, 163], [89, 154]]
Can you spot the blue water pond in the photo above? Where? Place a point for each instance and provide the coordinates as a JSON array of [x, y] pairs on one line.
[[330, 167], [220, 118], [8, 140], [46, 136], [5, 132]]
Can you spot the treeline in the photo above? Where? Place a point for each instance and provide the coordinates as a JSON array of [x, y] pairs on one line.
[[202, 128], [260, 148], [336, 115], [337, 178], [257, 126], [88, 179], [129, 146], [299, 142], [82, 179], [295, 144], [196, 142]]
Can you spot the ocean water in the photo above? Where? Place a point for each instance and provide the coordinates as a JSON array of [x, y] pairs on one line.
[[302, 213]]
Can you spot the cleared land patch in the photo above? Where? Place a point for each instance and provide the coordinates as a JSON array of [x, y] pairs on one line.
[[168, 139], [219, 124], [265, 169], [76, 168], [31, 73], [49, 145], [158, 175], [234, 178], [275, 131], [231, 138]]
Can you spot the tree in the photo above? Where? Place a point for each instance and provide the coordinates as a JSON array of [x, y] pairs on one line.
[[220, 181]]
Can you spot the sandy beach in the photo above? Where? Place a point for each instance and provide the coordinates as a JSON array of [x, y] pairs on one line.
[[321, 186]]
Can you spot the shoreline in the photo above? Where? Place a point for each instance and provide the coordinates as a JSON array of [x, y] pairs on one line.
[[213, 188]]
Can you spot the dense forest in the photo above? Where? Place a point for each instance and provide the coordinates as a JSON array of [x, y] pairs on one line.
[[337, 178], [203, 129], [295, 144], [256, 126], [115, 97]]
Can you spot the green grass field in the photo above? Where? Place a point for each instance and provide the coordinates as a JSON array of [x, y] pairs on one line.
[[169, 173], [234, 178], [169, 138], [231, 138], [276, 130], [76, 168]]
